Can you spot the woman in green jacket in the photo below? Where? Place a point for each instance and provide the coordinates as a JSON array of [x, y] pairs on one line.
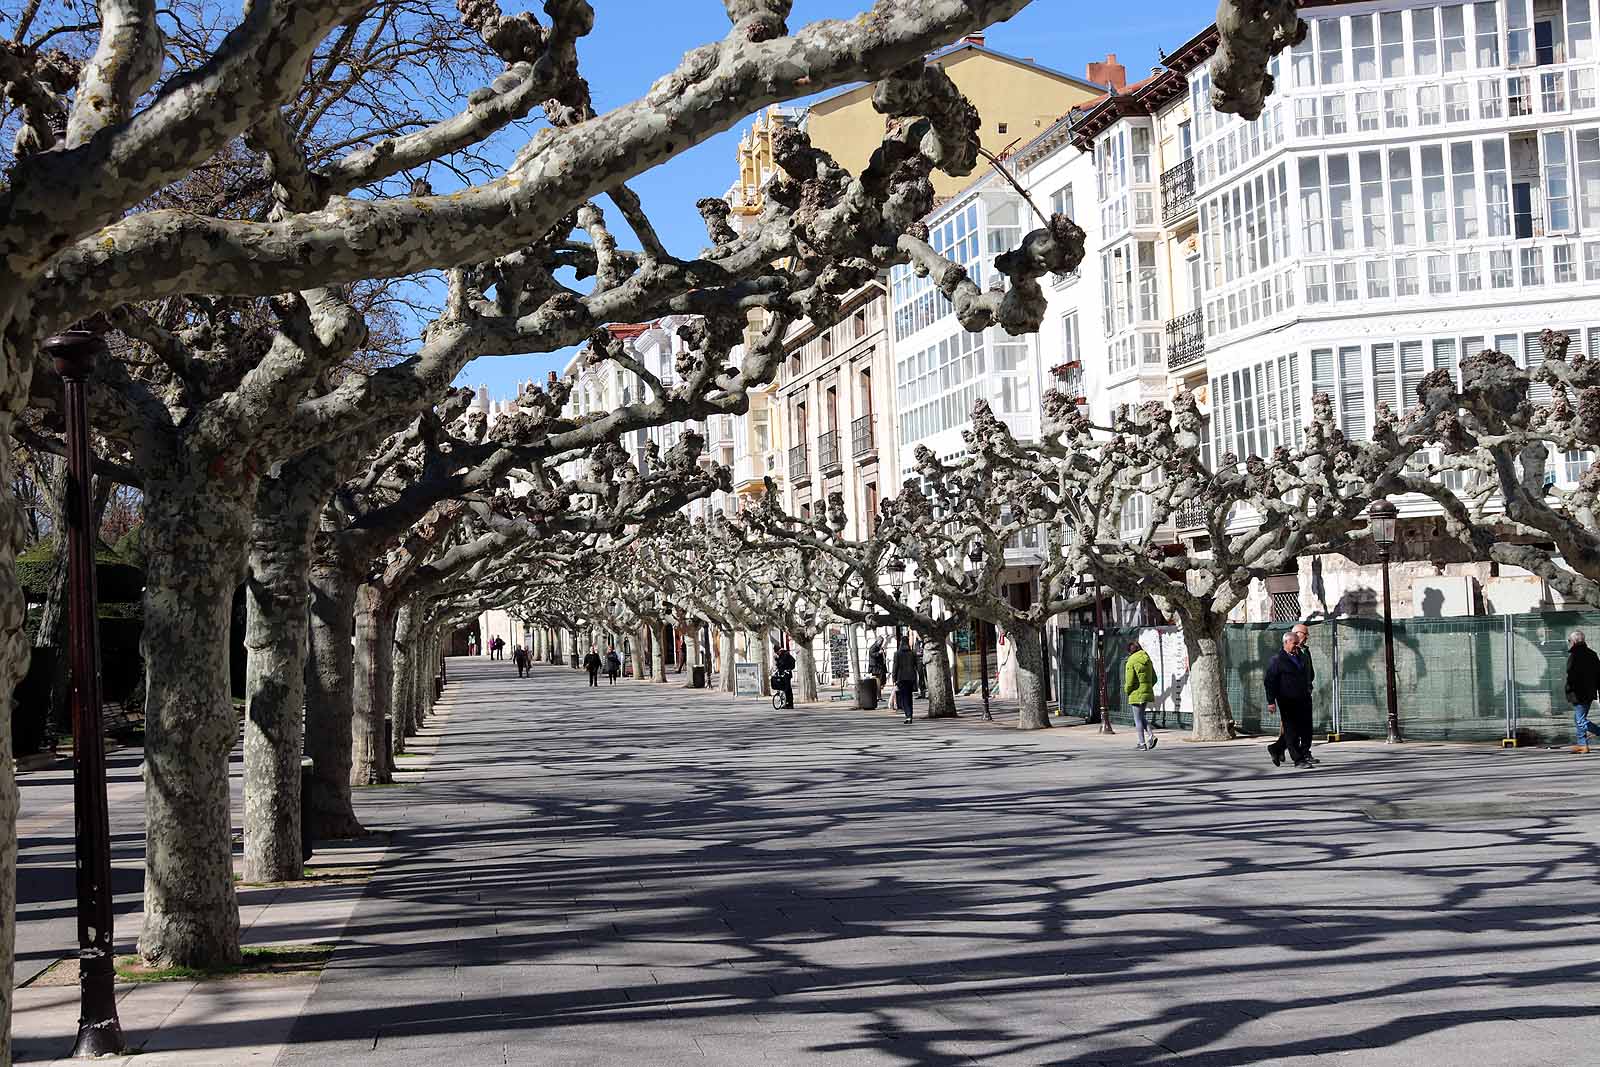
[[1139, 683]]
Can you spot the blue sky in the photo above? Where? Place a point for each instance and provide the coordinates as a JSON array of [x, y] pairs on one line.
[[636, 41]]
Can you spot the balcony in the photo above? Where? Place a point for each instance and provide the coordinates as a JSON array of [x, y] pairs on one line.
[[828, 458], [1186, 340], [863, 446], [799, 467], [1193, 518], [1177, 192]]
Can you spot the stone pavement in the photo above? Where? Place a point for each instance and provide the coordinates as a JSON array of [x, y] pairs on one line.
[[648, 875]]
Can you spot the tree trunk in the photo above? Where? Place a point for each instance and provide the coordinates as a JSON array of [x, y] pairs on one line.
[[663, 634], [370, 762], [765, 659], [727, 678], [1032, 711], [805, 665], [195, 536], [1206, 690], [640, 642], [941, 690], [330, 711], [13, 665], [275, 681], [403, 698]]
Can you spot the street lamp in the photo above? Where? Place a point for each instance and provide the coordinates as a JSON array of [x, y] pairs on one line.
[[1383, 518], [99, 1030], [896, 569], [975, 557]]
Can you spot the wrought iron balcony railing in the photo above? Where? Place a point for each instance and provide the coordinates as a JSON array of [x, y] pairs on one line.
[[1186, 340], [828, 459], [799, 466], [862, 444], [1177, 191]]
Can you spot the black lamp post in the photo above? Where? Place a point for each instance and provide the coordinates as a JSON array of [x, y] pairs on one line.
[[99, 1030], [896, 569], [1384, 518], [976, 558]]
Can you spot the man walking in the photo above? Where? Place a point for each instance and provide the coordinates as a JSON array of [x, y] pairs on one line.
[[1302, 652], [520, 654], [591, 663], [1289, 693], [1139, 683], [1583, 682], [783, 674], [613, 665], [905, 676]]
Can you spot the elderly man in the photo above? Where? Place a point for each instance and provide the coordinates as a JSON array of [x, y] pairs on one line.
[[1583, 680], [1289, 694]]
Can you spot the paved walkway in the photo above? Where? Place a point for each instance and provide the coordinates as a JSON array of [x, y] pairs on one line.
[[649, 875]]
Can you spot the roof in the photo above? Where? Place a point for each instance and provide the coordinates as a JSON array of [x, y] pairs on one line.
[[967, 46]]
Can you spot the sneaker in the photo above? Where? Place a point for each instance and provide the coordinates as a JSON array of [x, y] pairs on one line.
[[1304, 763], [1143, 747], [1152, 740]]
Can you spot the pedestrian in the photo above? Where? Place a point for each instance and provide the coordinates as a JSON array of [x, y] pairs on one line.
[[922, 668], [613, 665], [783, 674], [1289, 694], [520, 654], [1583, 682], [1302, 652], [472, 645], [878, 666], [905, 676], [591, 663], [1139, 684]]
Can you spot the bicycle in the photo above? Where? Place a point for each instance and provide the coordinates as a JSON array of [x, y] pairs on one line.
[[780, 689]]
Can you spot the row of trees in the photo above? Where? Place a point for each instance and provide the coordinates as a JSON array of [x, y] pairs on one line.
[[245, 208], [1100, 503]]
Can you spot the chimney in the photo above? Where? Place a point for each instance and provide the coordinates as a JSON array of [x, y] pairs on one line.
[[974, 38], [1110, 73]]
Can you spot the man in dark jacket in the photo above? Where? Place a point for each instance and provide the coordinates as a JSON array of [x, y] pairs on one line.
[[591, 663], [905, 676], [1583, 682], [1289, 693], [783, 674]]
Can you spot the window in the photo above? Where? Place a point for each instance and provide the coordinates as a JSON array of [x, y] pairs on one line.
[[1457, 102], [1333, 114], [1591, 261], [1428, 112], [1532, 266], [1305, 117], [1374, 224], [1341, 210], [1469, 277], [1489, 98], [1149, 296], [1425, 41], [1392, 33], [1303, 63], [1141, 155], [1363, 49], [1562, 267], [1464, 190], [1402, 201], [1487, 24], [1438, 274], [1588, 150], [1061, 201], [1435, 208], [1577, 464], [1344, 282], [1519, 39], [1330, 51], [1519, 100], [1317, 285], [1500, 276], [1557, 183], [1377, 279], [1395, 109], [1580, 35], [1581, 86], [1070, 348], [1352, 394], [1405, 276], [1312, 209], [1453, 24], [1367, 111], [1497, 190], [1002, 127], [1552, 92]]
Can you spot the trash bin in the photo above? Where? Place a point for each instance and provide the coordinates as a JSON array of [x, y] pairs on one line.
[[698, 680], [307, 769], [867, 694]]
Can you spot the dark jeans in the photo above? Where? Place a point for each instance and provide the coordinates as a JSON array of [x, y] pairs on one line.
[[902, 696], [611, 676], [787, 689], [594, 676]]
